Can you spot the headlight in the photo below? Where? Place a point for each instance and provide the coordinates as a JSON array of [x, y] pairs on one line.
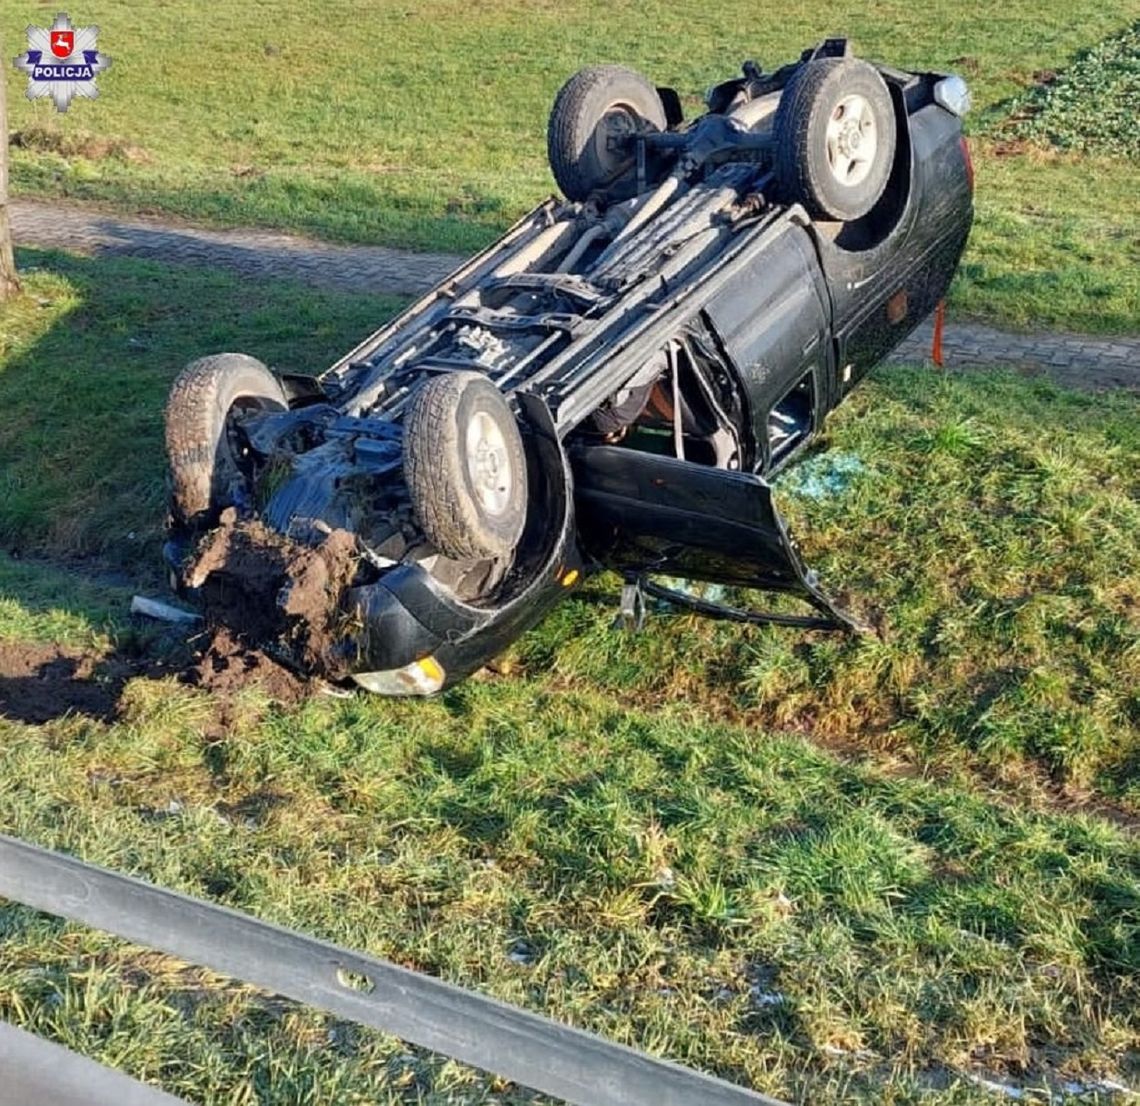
[[953, 94], [422, 677]]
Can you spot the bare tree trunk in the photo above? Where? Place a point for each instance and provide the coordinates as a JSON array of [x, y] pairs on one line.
[[9, 281]]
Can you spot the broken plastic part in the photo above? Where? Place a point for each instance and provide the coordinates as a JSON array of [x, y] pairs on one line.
[[422, 677], [164, 612]]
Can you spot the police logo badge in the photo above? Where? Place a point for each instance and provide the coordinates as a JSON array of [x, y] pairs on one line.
[[71, 64]]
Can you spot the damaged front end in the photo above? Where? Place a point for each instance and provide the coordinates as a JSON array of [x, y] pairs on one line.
[[319, 559], [316, 510]]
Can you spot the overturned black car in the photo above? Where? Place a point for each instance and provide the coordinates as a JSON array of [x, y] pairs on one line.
[[609, 384]]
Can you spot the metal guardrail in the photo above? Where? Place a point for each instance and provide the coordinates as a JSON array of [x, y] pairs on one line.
[[539, 1053], [33, 1070]]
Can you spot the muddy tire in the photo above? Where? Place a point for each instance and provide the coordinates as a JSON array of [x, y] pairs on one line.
[[591, 113], [205, 469], [465, 467], [835, 138]]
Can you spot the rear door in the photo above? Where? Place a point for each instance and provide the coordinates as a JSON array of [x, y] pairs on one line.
[[773, 320], [643, 515]]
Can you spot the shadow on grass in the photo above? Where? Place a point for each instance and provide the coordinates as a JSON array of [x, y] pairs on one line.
[[94, 345], [87, 357], [1111, 926]]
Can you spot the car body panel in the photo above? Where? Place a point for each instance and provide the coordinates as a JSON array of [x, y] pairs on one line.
[[882, 292], [647, 515], [774, 319]]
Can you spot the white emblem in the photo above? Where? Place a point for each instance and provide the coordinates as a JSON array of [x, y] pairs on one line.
[[61, 62]]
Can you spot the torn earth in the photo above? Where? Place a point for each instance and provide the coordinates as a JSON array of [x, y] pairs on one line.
[[276, 593]]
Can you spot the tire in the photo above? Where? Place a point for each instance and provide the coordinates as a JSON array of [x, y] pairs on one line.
[[592, 107], [206, 472], [835, 138], [465, 467]]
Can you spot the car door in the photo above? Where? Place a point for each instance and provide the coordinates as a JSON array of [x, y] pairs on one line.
[[643, 515], [773, 322]]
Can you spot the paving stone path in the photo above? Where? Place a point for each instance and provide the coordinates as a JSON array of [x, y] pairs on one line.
[[254, 253], [1074, 360]]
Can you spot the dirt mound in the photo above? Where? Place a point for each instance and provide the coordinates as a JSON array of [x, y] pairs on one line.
[[225, 666], [273, 592]]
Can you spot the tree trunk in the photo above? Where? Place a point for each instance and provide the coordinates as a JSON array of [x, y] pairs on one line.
[[9, 281]]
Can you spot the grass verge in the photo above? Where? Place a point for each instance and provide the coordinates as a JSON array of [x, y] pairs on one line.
[[429, 132], [865, 870]]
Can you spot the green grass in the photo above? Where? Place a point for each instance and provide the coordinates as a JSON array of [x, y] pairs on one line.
[[46, 602], [991, 542], [1054, 243], [89, 354], [738, 901], [840, 870], [423, 125], [1091, 105]]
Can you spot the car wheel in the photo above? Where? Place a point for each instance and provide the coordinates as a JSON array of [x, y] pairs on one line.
[[465, 467], [594, 111], [835, 138], [202, 446]]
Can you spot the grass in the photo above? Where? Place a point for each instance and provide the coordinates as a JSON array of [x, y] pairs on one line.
[[1088, 106], [1053, 244], [854, 871], [428, 130], [44, 602], [735, 900], [89, 354], [994, 553]]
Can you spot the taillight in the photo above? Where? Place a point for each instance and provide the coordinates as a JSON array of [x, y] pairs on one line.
[[969, 162], [953, 94]]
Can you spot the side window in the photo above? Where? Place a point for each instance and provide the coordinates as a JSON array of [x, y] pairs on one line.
[[790, 421]]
